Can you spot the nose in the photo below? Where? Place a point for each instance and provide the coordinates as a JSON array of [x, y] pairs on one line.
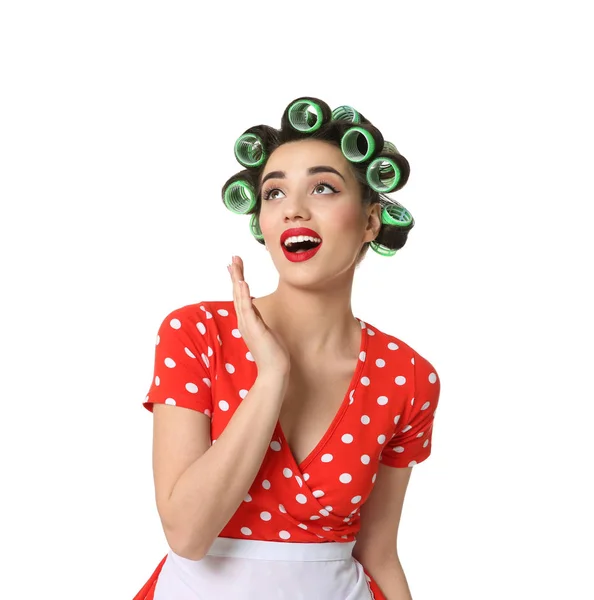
[[296, 206]]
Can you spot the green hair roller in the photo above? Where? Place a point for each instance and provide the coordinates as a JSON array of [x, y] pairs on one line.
[[350, 147], [383, 174], [382, 250], [389, 148], [396, 215], [255, 227], [305, 116], [240, 197], [346, 113], [249, 150]]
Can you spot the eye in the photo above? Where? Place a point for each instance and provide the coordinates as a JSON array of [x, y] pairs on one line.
[[269, 194], [323, 184]]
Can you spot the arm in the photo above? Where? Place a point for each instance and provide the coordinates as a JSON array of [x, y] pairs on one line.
[[390, 578], [376, 547], [197, 504]]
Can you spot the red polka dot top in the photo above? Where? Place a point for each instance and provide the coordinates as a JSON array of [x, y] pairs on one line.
[[202, 363]]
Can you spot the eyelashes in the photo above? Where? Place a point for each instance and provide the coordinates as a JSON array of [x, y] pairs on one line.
[[267, 192]]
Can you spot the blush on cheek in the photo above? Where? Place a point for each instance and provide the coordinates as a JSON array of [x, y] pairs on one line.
[[346, 220]]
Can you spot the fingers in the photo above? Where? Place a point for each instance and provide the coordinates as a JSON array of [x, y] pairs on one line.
[[237, 261], [232, 268], [240, 291], [247, 314], [245, 303]]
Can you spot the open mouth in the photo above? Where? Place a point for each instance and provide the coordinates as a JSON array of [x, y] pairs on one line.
[[300, 243], [296, 247]]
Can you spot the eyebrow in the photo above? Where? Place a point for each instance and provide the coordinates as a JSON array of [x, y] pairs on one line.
[[310, 171]]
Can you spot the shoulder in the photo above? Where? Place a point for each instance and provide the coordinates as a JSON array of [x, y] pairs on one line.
[[199, 321], [393, 345], [203, 311], [385, 344]]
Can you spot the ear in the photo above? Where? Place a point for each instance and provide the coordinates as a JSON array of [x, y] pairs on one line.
[[374, 221]]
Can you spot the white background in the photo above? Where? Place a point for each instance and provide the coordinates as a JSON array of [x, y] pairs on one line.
[[117, 125]]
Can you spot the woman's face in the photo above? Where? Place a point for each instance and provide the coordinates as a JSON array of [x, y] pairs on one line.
[[309, 183]]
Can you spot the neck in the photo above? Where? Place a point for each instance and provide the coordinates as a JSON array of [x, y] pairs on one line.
[[311, 321]]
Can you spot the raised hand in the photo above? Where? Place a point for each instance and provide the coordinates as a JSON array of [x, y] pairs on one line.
[[268, 350]]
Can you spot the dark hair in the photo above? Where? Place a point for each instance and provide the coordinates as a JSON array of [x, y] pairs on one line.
[[332, 131]]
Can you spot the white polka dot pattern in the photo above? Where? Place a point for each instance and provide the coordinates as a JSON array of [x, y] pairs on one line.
[[202, 363], [182, 375]]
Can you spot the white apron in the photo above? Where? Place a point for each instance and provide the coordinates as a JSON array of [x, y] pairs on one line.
[[237, 569]]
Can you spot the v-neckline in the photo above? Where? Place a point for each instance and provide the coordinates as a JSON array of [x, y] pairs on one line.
[[354, 382]]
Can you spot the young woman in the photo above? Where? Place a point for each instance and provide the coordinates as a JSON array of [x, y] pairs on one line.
[[286, 428]]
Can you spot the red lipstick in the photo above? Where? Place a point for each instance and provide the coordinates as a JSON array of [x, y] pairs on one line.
[[299, 256]]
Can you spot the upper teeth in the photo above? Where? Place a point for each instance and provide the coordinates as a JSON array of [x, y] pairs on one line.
[[301, 238]]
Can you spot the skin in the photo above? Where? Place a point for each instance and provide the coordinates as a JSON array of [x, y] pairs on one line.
[[311, 306]]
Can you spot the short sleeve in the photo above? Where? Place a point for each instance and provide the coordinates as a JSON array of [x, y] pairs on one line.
[[182, 374], [411, 443]]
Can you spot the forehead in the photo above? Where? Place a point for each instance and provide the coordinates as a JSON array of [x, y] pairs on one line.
[[302, 154]]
